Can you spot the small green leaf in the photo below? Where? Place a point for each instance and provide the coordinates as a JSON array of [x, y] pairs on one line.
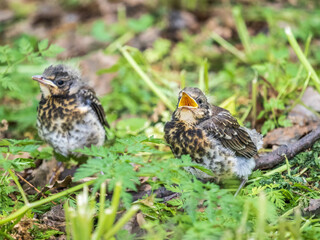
[[113, 68], [99, 31], [284, 122], [267, 126], [141, 24], [52, 51], [25, 46], [4, 142], [203, 169], [43, 45], [7, 83]]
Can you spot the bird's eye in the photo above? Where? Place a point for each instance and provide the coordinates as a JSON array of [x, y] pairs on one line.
[[200, 101], [60, 82]]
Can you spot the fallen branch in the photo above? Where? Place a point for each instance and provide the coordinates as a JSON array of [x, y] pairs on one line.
[[289, 151]]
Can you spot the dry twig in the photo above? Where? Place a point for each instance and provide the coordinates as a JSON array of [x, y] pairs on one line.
[[271, 159]]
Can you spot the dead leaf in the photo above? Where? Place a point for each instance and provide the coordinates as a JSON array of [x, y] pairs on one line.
[[145, 187], [58, 184], [76, 45], [21, 229], [143, 179], [265, 90], [89, 67], [41, 175], [214, 24], [140, 219], [314, 207], [4, 125], [132, 226], [288, 135], [311, 98], [302, 115], [148, 201], [6, 15]]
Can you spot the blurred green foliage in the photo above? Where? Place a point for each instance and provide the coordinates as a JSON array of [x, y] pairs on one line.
[[270, 204], [17, 64]]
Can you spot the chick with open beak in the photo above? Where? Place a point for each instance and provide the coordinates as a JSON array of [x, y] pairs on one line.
[[212, 137], [187, 101]]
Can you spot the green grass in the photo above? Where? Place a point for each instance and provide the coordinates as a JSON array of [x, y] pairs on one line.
[[147, 82]]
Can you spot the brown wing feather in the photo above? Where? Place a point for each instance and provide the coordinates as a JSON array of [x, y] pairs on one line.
[[91, 99], [227, 129]]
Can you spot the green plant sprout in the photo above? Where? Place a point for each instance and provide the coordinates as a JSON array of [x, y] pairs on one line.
[[145, 78], [19, 213], [242, 30], [80, 219], [302, 57]]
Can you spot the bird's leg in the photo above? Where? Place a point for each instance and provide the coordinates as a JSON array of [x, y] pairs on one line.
[[243, 182]]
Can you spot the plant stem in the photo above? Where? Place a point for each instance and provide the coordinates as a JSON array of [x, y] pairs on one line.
[[122, 221], [206, 76], [277, 170], [245, 115], [182, 79], [67, 214], [242, 228], [100, 227], [242, 30], [306, 83], [260, 228], [119, 42], [114, 205], [288, 165], [146, 79], [294, 44], [306, 53], [297, 222], [121, 14], [7, 236], [15, 179], [229, 47], [9, 227], [201, 77], [269, 173], [290, 211], [254, 99], [306, 224], [25, 208], [301, 172]]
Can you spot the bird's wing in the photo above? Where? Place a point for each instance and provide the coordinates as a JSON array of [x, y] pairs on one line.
[[226, 128], [91, 99]]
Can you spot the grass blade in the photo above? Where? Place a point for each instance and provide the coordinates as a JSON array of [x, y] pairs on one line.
[[294, 44]]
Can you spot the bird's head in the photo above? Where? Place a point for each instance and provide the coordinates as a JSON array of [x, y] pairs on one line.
[[58, 80], [192, 107]]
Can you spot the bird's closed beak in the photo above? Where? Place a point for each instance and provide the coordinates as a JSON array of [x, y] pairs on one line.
[[187, 101], [44, 81]]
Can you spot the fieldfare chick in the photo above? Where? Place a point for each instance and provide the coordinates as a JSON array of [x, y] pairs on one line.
[[212, 137], [70, 115]]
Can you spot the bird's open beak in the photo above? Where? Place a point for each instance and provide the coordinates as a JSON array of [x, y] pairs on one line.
[[187, 101], [44, 81]]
